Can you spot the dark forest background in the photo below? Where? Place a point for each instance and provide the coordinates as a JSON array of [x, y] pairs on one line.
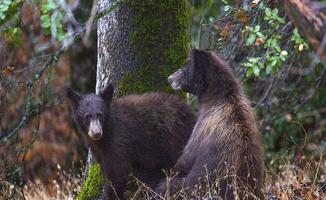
[[47, 45]]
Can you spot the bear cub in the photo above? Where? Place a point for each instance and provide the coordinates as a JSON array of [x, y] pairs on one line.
[[145, 133], [224, 152]]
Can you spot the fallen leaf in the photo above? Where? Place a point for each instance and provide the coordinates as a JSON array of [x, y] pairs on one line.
[[7, 71], [241, 15], [226, 31], [259, 41]]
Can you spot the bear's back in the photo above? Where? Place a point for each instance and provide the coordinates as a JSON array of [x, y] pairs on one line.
[[147, 100], [157, 120], [155, 106]]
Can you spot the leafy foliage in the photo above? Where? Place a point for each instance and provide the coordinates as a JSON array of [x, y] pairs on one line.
[[52, 19], [51, 15], [274, 53], [8, 12], [299, 43], [7, 9]]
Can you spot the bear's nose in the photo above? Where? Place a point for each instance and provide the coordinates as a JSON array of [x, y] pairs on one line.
[[175, 76], [95, 129], [96, 135]]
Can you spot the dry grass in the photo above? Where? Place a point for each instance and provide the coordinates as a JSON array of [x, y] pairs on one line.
[[295, 183], [65, 187], [287, 182]]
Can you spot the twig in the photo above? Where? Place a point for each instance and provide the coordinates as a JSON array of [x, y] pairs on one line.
[[89, 24], [317, 171]]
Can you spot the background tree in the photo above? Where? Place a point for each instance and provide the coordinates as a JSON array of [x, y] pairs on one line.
[[310, 20]]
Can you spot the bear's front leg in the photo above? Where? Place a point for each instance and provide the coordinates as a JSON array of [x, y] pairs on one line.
[[116, 174]]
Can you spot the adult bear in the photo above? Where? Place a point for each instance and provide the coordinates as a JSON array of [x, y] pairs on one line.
[[144, 132], [225, 145]]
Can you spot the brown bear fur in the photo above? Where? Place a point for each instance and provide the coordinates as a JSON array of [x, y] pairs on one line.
[[143, 132], [225, 142]]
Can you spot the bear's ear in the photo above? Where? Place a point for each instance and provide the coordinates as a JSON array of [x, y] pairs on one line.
[[107, 93], [194, 54], [197, 51], [73, 96]]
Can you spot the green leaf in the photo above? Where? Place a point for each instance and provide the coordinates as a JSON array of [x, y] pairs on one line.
[[256, 70], [283, 58], [211, 3], [281, 20], [249, 72], [227, 8], [249, 28], [268, 12], [45, 21], [48, 6], [261, 35], [225, 2], [298, 40], [257, 28], [275, 11], [277, 48], [269, 69], [13, 34], [274, 62], [253, 60], [251, 39]]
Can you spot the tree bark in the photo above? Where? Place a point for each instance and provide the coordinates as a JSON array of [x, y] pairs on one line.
[[113, 57], [308, 17], [139, 44]]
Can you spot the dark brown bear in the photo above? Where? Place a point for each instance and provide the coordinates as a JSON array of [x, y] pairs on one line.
[[225, 145], [144, 133]]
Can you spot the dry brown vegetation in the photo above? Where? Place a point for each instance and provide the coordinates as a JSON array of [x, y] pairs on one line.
[[66, 186], [286, 182]]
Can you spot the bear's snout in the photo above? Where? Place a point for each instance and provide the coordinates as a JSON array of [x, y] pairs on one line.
[[95, 129], [174, 80]]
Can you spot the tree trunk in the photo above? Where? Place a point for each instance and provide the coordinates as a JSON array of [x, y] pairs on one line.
[[82, 57], [310, 21], [139, 45]]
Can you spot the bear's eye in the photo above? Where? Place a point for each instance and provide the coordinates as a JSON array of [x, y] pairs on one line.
[[88, 116], [100, 116]]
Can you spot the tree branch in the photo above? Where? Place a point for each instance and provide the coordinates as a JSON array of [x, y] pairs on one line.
[[310, 21]]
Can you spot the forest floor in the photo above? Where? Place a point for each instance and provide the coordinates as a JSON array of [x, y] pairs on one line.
[[287, 182]]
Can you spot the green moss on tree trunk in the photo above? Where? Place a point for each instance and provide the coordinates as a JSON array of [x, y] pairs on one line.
[[160, 43], [92, 187]]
